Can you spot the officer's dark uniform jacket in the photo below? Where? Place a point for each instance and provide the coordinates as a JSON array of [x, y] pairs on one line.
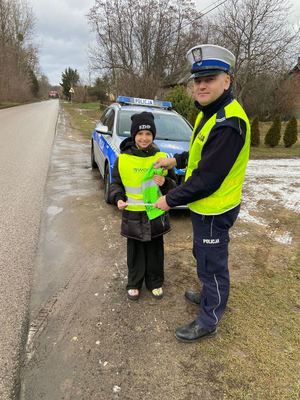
[[216, 164], [219, 153], [136, 225]]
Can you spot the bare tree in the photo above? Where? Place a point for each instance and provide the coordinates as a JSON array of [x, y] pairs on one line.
[[260, 36], [18, 55], [259, 98], [44, 86], [140, 44], [287, 100]]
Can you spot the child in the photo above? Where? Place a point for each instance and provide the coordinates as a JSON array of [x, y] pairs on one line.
[[145, 248]]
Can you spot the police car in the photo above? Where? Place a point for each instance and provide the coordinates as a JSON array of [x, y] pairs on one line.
[[173, 133]]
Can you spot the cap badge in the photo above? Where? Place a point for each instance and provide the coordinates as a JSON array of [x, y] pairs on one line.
[[197, 54]]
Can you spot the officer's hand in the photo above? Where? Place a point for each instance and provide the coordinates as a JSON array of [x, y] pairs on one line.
[[165, 162], [162, 204], [121, 204], [159, 179]]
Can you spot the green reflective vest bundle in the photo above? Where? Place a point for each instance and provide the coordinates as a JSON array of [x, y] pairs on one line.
[[229, 193], [137, 177], [151, 192]]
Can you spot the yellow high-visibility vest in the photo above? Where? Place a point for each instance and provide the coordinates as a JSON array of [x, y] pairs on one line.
[[132, 170], [229, 193]]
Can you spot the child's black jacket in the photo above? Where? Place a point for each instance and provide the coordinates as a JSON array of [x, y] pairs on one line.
[[136, 225]]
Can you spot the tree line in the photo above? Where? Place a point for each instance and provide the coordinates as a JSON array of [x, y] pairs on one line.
[[19, 79], [141, 47], [273, 135]]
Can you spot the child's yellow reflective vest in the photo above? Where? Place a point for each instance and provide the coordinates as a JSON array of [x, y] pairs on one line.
[[137, 177]]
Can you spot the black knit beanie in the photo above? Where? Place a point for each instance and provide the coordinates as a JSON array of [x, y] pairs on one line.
[[142, 121]]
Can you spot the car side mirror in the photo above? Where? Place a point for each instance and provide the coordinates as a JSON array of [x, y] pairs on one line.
[[102, 129]]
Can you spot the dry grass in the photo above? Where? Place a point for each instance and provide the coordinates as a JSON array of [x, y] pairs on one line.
[[83, 116], [258, 355], [276, 152], [8, 104]]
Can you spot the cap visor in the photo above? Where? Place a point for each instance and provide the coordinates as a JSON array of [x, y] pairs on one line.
[[207, 72]]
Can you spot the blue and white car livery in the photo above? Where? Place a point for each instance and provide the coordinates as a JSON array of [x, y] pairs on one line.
[[173, 133]]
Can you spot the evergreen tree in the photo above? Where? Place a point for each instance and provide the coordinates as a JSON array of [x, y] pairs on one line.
[[255, 134], [272, 137], [34, 84], [182, 103], [69, 79], [290, 133], [100, 89]]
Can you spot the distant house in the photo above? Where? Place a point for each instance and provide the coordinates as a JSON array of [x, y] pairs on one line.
[[180, 78], [294, 78], [53, 94]]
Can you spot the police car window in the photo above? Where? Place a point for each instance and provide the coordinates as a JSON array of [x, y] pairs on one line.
[[110, 120], [168, 126], [107, 118], [104, 116]]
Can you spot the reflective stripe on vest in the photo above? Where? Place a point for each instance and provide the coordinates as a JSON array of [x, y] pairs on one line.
[[132, 170], [229, 193]]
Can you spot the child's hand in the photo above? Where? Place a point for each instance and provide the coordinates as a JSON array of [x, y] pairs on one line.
[[159, 179], [162, 204], [121, 204]]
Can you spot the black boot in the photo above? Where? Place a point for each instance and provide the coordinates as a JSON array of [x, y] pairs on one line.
[[192, 332], [192, 296]]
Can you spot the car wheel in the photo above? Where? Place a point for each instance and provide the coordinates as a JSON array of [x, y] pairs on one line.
[[107, 184], [93, 162]]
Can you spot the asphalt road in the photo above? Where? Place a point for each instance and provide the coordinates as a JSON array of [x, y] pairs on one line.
[[26, 137]]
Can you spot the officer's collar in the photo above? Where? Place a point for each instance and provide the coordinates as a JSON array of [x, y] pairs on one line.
[[213, 107]]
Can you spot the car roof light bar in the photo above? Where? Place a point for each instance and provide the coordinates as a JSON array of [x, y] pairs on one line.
[[143, 102]]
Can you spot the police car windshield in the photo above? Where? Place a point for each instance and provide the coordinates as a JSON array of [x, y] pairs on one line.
[[168, 126]]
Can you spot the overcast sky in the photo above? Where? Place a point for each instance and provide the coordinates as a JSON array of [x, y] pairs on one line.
[[63, 35]]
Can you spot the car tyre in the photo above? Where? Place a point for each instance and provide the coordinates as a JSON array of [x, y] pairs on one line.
[[93, 162], [107, 184]]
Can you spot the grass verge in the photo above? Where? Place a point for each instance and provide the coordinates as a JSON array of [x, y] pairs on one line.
[[264, 152], [257, 355], [83, 116], [279, 151], [8, 104]]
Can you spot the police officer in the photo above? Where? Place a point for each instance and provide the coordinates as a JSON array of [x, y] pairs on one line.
[[215, 170]]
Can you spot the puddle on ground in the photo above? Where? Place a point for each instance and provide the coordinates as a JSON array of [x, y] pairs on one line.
[[53, 210]]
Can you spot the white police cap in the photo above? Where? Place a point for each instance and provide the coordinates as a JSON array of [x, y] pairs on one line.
[[209, 59]]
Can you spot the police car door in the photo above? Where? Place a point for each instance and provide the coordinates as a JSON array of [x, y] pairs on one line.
[[104, 140]]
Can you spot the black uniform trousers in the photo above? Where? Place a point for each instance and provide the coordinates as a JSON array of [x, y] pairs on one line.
[[145, 260], [210, 248]]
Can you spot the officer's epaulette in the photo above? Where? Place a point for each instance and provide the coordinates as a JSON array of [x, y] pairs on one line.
[[236, 123]]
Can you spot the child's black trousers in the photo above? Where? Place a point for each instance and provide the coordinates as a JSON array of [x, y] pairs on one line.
[[145, 260]]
